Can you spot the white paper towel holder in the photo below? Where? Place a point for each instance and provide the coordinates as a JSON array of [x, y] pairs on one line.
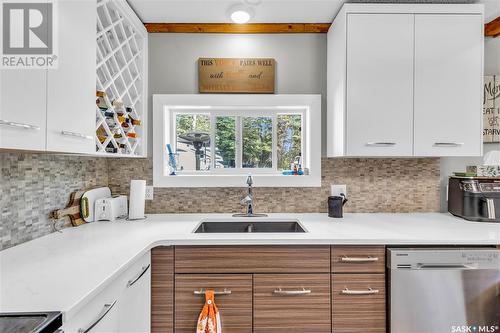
[[137, 197]]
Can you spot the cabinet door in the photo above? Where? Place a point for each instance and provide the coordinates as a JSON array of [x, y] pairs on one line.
[[379, 85], [297, 303], [134, 308], [358, 303], [235, 307], [23, 108], [100, 315], [448, 85], [162, 289], [71, 87]]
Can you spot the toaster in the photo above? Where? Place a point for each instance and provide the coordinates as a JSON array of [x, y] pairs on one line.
[[110, 209], [474, 198]]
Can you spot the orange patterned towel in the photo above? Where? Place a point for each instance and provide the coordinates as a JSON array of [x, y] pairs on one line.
[[209, 319]]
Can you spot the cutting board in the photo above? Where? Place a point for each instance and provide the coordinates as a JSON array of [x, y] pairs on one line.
[[72, 209], [88, 202]]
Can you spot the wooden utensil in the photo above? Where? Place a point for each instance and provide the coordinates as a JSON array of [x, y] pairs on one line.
[[72, 209]]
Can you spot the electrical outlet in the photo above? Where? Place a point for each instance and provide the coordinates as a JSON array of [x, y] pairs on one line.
[[337, 189], [149, 192]]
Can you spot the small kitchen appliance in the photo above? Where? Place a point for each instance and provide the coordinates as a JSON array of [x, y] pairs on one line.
[[474, 198], [110, 209], [336, 206]]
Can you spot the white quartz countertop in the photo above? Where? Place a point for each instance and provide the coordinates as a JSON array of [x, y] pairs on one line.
[[64, 270]]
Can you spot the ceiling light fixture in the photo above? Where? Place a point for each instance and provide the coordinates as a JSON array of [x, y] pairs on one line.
[[240, 14]]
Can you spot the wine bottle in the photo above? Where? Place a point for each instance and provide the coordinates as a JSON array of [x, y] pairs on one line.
[[132, 135], [101, 100]]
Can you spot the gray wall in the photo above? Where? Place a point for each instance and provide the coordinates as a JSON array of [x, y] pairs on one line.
[[451, 164], [300, 62]]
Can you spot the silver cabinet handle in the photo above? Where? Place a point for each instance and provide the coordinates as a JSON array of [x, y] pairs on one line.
[[130, 283], [369, 291], [490, 203], [359, 259], [216, 292], [381, 144], [77, 135], [107, 307], [20, 125], [302, 291], [448, 144]]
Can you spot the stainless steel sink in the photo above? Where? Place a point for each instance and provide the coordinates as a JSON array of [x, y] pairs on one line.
[[249, 226]]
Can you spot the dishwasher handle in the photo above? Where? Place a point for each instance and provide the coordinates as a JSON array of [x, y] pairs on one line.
[[446, 266]]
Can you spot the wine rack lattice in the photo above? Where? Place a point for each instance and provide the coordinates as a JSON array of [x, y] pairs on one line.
[[121, 74]]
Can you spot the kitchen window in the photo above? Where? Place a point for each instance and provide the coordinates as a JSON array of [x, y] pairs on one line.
[[217, 140]]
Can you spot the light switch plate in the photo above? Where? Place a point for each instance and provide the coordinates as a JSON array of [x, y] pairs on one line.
[[336, 190], [149, 192]]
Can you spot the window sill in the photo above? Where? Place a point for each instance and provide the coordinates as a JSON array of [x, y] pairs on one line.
[[275, 180]]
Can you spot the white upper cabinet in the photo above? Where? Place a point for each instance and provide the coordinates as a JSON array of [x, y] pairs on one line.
[[448, 85], [379, 84], [22, 108], [71, 86], [405, 80]]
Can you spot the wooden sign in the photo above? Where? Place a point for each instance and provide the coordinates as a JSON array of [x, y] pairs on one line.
[[234, 75], [491, 109]]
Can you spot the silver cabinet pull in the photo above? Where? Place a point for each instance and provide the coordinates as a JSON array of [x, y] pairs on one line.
[[359, 259], [490, 204], [302, 291], [19, 125], [107, 307], [369, 291], [224, 291], [448, 144], [381, 144], [77, 135], [144, 269]]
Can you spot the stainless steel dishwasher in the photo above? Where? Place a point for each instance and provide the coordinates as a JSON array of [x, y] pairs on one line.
[[444, 290]]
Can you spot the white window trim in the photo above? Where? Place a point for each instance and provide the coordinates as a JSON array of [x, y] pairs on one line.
[[164, 106]]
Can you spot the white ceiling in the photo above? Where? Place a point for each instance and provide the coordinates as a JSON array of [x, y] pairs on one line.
[[266, 11]]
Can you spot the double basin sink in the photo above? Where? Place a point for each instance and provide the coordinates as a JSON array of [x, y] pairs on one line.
[[249, 225]]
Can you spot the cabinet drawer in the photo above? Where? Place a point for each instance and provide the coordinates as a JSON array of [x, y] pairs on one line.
[[357, 306], [235, 308], [358, 259], [279, 305], [252, 259]]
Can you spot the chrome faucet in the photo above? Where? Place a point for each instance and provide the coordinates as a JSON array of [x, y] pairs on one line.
[[248, 201]]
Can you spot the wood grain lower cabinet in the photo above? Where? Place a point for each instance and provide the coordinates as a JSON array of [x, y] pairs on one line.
[[162, 290], [252, 259], [235, 308], [297, 303], [358, 259], [358, 303]]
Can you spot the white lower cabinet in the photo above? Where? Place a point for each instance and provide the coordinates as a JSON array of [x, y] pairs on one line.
[[123, 306]]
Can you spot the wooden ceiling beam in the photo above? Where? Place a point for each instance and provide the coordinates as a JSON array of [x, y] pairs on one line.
[[492, 29], [230, 28]]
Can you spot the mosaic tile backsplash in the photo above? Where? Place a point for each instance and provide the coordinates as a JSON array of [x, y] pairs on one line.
[[373, 185], [32, 185]]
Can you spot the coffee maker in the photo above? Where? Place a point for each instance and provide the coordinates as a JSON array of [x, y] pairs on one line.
[[474, 198]]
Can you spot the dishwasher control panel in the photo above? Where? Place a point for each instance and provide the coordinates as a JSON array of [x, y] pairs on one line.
[[443, 258]]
